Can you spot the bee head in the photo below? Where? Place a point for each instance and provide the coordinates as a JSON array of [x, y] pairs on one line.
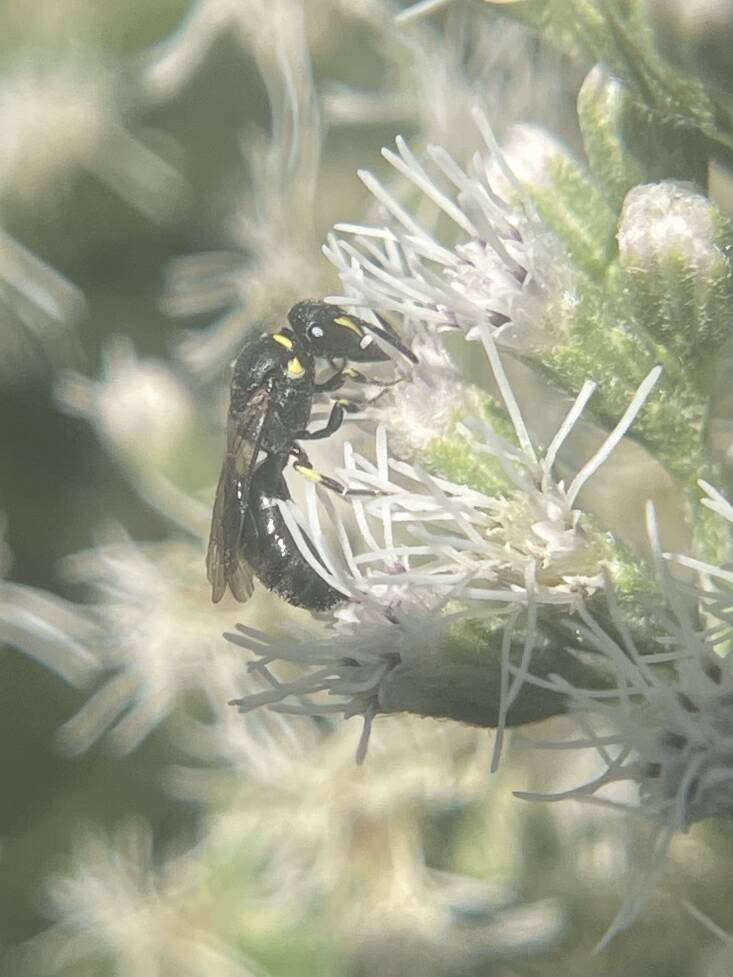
[[333, 333]]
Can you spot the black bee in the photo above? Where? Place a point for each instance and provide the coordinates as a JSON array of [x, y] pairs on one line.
[[273, 386], [268, 547]]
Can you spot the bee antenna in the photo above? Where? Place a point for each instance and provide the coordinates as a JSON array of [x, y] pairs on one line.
[[389, 337]]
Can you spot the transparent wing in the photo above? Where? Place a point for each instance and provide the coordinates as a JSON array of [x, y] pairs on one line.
[[223, 563]]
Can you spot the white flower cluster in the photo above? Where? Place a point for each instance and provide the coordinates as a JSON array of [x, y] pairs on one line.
[[493, 265], [114, 910], [434, 553]]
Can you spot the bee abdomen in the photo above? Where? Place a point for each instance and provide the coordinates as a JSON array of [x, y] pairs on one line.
[[271, 551]]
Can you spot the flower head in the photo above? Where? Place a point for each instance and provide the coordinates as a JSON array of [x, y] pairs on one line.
[[435, 553], [50, 630], [114, 909], [37, 300], [158, 639], [480, 260], [664, 726], [59, 113], [274, 224]]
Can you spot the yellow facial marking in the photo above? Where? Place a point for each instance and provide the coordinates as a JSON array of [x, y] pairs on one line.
[[308, 473], [347, 323], [283, 340], [295, 367]]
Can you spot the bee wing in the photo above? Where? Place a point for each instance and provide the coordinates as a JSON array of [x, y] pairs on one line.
[[244, 435]]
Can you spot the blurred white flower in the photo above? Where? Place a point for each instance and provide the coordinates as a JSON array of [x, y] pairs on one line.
[[274, 227], [62, 112], [115, 911], [159, 638], [423, 8], [50, 630], [139, 407], [431, 79], [35, 302], [322, 830], [143, 414], [301, 801]]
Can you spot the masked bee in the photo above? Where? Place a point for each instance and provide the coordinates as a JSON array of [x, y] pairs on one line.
[[273, 386], [269, 549]]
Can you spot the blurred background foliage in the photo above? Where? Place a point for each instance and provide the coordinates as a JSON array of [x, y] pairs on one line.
[[58, 483]]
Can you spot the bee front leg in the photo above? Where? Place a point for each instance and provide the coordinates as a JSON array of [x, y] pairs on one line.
[[334, 422], [346, 373]]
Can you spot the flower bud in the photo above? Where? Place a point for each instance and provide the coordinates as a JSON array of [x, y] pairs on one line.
[[674, 248], [603, 107]]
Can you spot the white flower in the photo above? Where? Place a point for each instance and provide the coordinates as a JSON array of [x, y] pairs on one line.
[[48, 629], [158, 638], [114, 911], [671, 220], [300, 799], [491, 263], [431, 79], [274, 226], [675, 734], [139, 407], [34, 298], [666, 725], [435, 553], [143, 413], [423, 8], [58, 113]]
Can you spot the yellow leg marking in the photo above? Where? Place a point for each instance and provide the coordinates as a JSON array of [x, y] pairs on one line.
[[295, 367], [308, 473], [283, 340]]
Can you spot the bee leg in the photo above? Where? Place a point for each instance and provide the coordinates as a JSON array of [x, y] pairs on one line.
[[334, 422], [355, 376], [346, 373], [303, 466], [334, 382]]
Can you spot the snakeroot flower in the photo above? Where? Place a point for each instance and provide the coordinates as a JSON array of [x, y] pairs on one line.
[[283, 793], [37, 300], [451, 586], [114, 910], [143, 414], [671, 708], [63, 112], [274, 225], [431, 79], [664, 726], [478, 259], [158, 639], [51, 631]]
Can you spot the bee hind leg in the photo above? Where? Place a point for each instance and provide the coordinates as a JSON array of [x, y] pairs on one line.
[[303, 466]]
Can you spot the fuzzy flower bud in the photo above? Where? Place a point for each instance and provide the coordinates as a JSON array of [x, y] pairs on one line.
[[674, 248], [603, 110]]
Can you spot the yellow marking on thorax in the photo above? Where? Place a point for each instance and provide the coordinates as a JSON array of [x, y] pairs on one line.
[[295, 367], [283, 340], [347, 323]]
